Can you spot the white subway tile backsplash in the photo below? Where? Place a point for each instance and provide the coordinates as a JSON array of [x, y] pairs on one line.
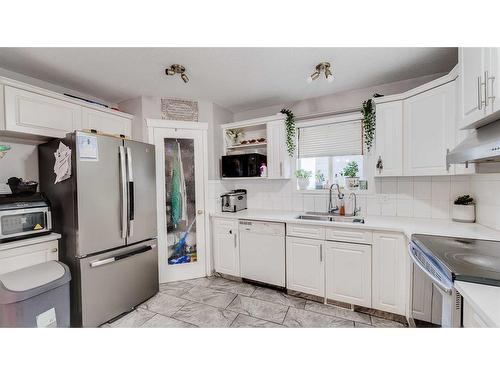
[[321, 204], [440, 209], [373, 206], [440, 189], [422, 208], [389, 207], [308, 203], [422, 188], [389, 186], [405, 207], [426, 197], [405, 188]]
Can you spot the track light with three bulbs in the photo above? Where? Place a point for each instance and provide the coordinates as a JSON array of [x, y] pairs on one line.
[[323, 67], [179, 69]]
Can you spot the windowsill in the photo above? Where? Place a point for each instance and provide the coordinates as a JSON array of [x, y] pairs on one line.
[[327, 191]]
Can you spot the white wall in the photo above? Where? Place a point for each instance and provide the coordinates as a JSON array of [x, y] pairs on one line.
[[339, 101], [21, 161], [150, 107]]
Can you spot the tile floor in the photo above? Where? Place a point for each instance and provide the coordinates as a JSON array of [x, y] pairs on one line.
[[218, 302]]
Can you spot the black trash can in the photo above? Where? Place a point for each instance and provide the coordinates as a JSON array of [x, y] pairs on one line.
[[36, 296]]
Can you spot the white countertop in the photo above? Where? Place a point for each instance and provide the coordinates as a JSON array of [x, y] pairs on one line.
[[484, 299], [406, 225], [29, 241]]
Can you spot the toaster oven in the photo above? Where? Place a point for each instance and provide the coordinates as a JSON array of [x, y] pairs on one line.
[[23, 216]]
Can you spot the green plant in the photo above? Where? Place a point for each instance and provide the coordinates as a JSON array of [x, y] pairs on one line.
[[464, 200], [290, 130], [320, 177], [302, 173], [350, 170], [369, 116]]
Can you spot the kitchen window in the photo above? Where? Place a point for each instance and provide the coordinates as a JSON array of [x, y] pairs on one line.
[[326, 147]]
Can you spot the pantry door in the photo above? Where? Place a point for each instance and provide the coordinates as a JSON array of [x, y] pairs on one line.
[[181, 177]]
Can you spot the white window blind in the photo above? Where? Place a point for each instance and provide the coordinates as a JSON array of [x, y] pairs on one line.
[[343, 138]]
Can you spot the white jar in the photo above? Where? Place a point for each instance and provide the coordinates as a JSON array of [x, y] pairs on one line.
[[464, 213]]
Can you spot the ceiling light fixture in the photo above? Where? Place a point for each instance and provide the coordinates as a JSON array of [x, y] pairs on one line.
[[321, 67], [179, 69]]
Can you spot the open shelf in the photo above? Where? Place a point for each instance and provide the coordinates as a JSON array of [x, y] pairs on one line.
[[247, 146]]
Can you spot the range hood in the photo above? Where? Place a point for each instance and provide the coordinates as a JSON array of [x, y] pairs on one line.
[[482, 146]]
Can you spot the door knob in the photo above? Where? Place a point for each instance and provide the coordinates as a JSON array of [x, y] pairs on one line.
[[200, 212]]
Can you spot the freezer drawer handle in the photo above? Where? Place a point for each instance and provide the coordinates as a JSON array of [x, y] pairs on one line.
[[131, 200], [119, 257]]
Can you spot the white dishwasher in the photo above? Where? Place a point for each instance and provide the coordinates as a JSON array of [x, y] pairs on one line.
[[262, 251]]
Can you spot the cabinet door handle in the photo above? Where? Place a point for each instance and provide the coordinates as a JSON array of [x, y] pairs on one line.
[[479, 99], [321, 253], [235, 244], [281, 169], [486, 89], [54, 250]]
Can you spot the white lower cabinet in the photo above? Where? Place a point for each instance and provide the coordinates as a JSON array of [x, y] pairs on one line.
[[226, 248], [348, 272], [388, 272], [304, 265], [28, 255]]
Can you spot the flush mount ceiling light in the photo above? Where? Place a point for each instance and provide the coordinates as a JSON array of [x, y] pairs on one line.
[[321, 67], [176, 68]]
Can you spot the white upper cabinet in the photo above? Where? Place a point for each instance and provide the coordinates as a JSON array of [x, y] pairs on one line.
[[473, 64], [278, 160], [479, 86], [29, 112], [389, 138], [388, 272], [348, 272], [105, 122], [429, 131]]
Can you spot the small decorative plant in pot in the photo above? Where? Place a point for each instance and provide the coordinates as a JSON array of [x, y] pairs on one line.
[[350, 171], [234, 136], [464, 209], [320, 180], [303, 177]]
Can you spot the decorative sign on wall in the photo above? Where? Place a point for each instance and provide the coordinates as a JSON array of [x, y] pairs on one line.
[[179, 109]]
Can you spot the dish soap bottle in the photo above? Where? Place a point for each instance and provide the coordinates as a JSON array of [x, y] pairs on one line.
[[341, 207]]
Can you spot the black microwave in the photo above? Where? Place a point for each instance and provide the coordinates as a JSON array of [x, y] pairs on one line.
[[243, 165]]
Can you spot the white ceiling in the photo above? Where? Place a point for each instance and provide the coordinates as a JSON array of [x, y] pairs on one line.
[[236, 78]]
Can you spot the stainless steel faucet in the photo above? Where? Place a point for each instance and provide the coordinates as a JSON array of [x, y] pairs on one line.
[[340, 196], [356, 209]]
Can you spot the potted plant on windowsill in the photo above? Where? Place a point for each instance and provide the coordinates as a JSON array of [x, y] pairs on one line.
[[350, 171], [320, 180], [303, 177], [464, 209]]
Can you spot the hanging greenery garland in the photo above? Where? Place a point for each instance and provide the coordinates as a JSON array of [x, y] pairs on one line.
[[369, 116], [290, 131]]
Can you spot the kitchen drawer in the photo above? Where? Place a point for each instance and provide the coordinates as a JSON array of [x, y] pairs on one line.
[[306, 231], [348, 235], [471, 319]]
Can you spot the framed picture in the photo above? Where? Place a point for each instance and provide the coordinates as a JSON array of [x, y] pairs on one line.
[[179, 109]]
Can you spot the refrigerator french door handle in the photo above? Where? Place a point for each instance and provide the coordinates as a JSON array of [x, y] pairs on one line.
[[131, 199], [123, 188]]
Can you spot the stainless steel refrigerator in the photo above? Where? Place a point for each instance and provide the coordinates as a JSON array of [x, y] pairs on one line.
[[106, 213]]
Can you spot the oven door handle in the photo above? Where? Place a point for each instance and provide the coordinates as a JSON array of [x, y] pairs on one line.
[[445, 288]]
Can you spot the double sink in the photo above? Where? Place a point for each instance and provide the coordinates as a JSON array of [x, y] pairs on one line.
[[323, 216]]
